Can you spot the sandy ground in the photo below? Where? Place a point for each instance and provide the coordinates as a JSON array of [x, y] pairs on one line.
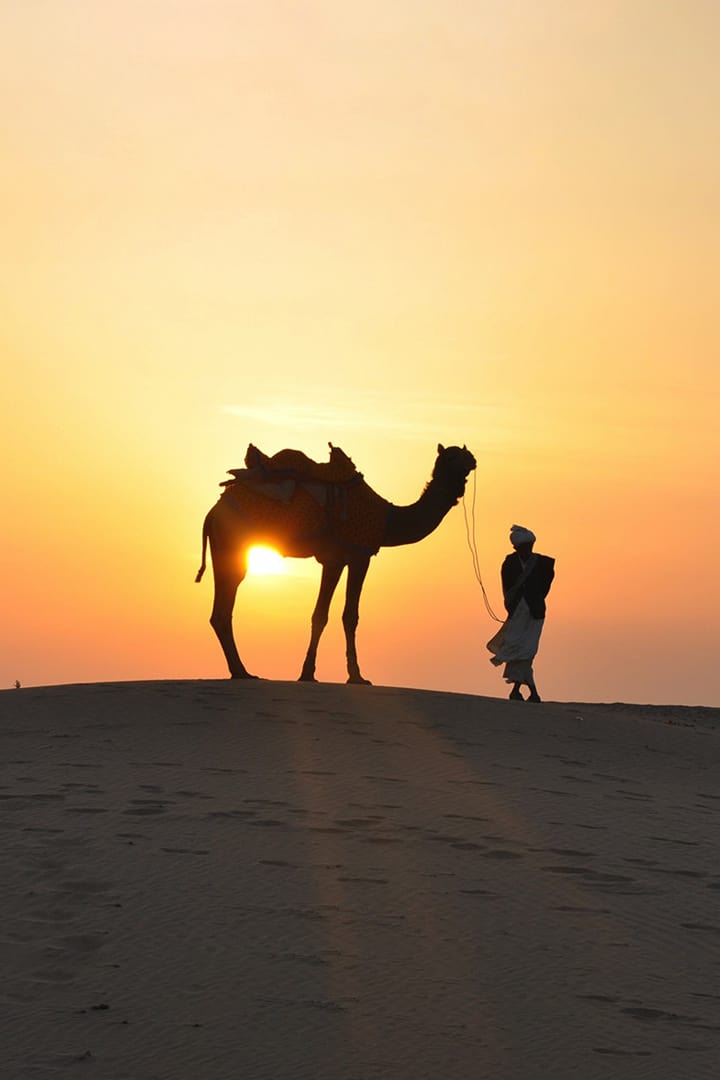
[[276, 880]]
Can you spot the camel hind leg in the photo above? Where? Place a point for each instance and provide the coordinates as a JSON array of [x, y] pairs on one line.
[[227, 578]]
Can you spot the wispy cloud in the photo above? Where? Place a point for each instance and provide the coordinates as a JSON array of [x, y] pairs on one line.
[[369, 413]]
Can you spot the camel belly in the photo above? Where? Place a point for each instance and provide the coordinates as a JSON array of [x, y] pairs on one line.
[[289, 527]]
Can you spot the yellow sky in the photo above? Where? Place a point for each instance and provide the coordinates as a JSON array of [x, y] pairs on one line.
[[381, 225]]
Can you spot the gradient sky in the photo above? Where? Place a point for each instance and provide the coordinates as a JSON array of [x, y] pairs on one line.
[[385, 225]]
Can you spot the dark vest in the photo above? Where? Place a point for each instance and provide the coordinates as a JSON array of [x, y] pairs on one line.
[[534, 588]]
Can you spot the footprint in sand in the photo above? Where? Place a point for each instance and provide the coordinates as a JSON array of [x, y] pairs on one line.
[[387, 779], [678, 873], [146, 807], [360, 823], [672, 840], [556, 791], [267, 802], [621, 1053], [83, 886], [599, 997], [85, 943], [185, 851], [569, 853], [466, 817], [574, 910], [364, 880], [586, 872], [272, 823], [215, 769], [159, 764]]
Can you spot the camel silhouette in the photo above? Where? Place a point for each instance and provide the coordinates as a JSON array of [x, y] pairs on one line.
[[339, 524]]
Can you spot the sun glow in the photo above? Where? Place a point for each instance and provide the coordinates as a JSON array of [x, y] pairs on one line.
[[264, 560]]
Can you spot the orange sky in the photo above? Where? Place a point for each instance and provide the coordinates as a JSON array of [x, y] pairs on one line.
[[385, 226]]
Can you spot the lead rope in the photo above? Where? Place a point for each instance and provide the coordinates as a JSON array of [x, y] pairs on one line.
[[472, 544]]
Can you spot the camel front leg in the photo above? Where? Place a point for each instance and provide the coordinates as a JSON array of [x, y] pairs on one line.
[[226, 585], [328, 583], [351, 616]]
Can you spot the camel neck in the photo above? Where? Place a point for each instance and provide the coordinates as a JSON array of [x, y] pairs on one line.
[[409, 524]]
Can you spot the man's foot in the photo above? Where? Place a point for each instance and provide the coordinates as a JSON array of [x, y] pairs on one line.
[[515, 695], [534, 697]]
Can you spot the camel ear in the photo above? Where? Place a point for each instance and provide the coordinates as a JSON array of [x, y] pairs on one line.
[[441, 448], [464, 446]]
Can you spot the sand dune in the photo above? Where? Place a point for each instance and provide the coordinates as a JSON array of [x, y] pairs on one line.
[[278, 880]]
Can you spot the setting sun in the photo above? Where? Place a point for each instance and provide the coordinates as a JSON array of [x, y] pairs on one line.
[[264, 560]]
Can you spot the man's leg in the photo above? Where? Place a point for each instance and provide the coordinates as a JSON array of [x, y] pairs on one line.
[[534, 696]]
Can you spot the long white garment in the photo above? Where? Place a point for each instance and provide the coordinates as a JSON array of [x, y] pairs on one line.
[[516, 644]]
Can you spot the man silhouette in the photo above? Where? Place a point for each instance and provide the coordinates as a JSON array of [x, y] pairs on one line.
[[526, 579]]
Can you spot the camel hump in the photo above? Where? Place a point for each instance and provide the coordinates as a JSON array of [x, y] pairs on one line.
[[339, 469]]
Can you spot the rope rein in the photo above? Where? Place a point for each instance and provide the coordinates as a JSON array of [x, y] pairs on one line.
[[472, 544]]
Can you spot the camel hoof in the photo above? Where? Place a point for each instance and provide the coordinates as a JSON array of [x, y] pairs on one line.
[[306, 678], [357, 680], [244, 675]]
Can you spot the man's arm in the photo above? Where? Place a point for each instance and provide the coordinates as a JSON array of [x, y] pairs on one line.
[[509, 575]]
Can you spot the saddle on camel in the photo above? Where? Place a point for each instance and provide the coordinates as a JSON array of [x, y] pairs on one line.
[[293, 463], [326, 496]]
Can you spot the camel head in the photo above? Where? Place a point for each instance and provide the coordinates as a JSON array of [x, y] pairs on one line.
[[453, 465]]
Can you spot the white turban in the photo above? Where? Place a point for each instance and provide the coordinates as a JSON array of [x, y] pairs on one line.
[[520, 535]]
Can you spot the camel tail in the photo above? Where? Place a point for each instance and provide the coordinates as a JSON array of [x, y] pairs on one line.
[[201, 571]]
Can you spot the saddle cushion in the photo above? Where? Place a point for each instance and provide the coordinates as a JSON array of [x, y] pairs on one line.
[[338, 470]]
